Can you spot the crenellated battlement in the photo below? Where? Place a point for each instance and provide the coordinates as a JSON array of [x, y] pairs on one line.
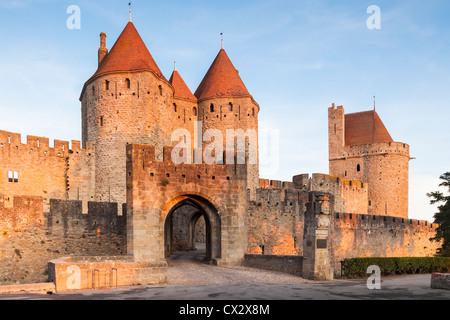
[[277, 184], [374, 149], [37, 145], [358, 221], [66, 217], [144, 158], [323, 182]]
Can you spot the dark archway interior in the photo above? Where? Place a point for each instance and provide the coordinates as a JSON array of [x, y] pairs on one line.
[[193, 225]]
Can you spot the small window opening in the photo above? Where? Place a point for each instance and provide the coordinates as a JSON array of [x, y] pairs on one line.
[[106, 85], [160, 90], [128, 83], [195, 111], [101, 121], [358, 168], [10, 176], [211, 108], [16, 177], [174, 107], [231, 107]]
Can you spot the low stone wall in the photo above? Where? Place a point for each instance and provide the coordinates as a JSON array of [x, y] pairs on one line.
[[440, 281], [81, 273], [287, 264]]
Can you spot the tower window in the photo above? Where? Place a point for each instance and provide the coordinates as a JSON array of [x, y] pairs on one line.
[[160, 90], [128, 82], [358, 168], [231, 107], [194, 110], [211, 108], [253, 111], [174, 107], [100, 120], [106, 85], [10, 176]]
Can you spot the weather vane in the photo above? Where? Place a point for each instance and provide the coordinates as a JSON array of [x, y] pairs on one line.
[[129, 4]]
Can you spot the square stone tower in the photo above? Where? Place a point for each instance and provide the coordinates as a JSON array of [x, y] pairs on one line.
[[361, 148]]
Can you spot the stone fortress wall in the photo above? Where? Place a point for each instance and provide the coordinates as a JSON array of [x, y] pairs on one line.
[[118, 192]]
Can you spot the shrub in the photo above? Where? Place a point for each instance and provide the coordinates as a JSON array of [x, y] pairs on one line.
[[357, 267]]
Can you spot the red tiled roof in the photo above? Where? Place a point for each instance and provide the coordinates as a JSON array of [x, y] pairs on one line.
[[129, 53], [222, 79], [365, 128], [181, 89]]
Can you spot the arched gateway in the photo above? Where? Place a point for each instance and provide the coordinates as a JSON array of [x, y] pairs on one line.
[[179, 229], [155, 190]]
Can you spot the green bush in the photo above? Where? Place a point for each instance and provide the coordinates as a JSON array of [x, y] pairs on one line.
[[357, 267]]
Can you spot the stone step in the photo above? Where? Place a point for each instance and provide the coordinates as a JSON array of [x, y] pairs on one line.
[[40, 288]]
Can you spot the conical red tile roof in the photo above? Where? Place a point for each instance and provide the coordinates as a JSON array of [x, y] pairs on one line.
[[365, 128], [181, 89], [222, 79], [129, 53]]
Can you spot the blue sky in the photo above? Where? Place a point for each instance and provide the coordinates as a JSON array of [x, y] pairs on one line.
[[295, 57]]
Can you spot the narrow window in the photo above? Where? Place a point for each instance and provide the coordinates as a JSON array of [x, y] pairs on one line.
[[174, 107], [211, 108], [128, 83], [334, 128], [106, 85], [195, 111], [101, 121], [231, 107], [93, 91], [253, 111], [10, 176], [160, 90], [16, 177], [358, 168]]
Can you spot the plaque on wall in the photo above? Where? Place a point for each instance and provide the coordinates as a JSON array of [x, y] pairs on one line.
[[321, 243]]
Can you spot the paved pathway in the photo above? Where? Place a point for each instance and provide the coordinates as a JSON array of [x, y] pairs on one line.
[[192, 279]]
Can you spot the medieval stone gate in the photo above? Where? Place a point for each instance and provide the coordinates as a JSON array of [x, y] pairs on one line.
[[156, 189]]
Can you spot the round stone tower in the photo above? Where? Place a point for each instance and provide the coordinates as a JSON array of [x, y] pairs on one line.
[[228, 111], [127, 100]]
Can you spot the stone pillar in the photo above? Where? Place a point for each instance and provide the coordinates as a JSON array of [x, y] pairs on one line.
[[317, 261]]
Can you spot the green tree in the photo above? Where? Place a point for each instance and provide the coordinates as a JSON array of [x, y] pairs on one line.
[[443, 216]]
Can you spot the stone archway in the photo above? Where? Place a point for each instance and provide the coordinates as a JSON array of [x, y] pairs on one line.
[[181, 236], [155, 188]]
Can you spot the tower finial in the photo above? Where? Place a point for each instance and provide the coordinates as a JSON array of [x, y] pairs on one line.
[[221, 36], [129, 4], [174, 66], [374, 103]]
